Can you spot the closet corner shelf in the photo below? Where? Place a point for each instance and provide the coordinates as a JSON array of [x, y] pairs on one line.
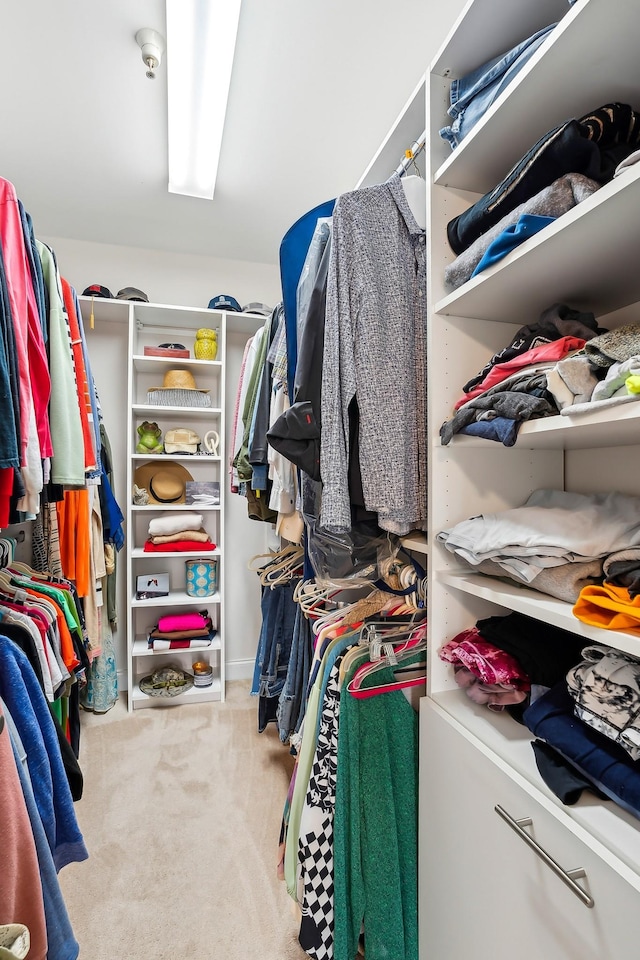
[[155, 364], [193, 695], [538, 605], [182, 457], [142, 409], [510, 291], [608, 426], [176, 598], [137, 553], [141, 649], [415, 541], [476, 165], [164, 508]]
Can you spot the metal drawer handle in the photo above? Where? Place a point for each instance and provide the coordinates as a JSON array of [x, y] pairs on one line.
[[567, 876]]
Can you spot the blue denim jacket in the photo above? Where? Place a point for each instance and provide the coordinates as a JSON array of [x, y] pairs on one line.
[[472, 95]]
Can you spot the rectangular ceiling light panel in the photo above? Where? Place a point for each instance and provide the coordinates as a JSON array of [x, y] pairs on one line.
[[201, 40]]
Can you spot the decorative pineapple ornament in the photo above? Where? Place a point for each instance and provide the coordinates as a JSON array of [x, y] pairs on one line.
[[206, 344]]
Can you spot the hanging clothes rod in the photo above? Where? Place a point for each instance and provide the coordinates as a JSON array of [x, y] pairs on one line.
[[416, 147]]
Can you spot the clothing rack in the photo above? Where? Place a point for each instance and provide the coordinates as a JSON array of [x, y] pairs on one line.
[[416, 147]]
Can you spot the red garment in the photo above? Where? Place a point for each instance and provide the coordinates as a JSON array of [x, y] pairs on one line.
[[547, 353], [486, 661], [33, 367], [178, 546], [6, 489], [82, 384], [21, 889]]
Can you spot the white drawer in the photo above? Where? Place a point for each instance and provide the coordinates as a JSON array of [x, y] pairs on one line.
[[484, 892]]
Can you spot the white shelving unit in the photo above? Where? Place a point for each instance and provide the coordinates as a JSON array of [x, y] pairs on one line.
[[150, 325], [473, 760]]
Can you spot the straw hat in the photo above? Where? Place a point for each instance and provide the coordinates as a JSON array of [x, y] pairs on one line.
[[165, 482], [179, 380]]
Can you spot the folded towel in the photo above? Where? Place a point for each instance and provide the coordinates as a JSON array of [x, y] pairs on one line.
[[180, 644], [169, 545], [200, 536], [174, 523]]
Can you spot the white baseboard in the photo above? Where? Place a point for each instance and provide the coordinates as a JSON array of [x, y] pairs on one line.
[[239, 669]]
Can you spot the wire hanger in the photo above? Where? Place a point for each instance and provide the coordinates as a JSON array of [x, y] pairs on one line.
[[410, 155], [282, 565]]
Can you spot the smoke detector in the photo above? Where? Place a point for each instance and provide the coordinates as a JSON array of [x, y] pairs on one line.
[[152, 45]]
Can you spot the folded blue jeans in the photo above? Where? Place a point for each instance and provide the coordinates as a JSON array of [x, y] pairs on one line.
[[472, 95]]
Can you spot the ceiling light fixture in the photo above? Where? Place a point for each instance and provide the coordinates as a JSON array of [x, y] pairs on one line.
[[201, 40], [151, 44]]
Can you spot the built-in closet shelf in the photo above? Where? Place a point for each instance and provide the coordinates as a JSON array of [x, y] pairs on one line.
[[416, 542], [151, 364], [104, 310], [137, 553], [570, 261], [611, 426], [532, 603], [175, 413], [159, 318], [186, 457], [141, 649], [165, 507], [195, 694], [545, 93], [604, 826], [175, 598]]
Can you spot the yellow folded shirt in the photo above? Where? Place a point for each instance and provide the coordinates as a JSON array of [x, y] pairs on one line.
[[608, 607]]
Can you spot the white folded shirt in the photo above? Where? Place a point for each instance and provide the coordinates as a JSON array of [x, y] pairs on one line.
[[174, 523]]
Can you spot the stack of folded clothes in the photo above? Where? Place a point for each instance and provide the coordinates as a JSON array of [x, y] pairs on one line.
[[558, 543], [178, 533], [182, 631], [500, 659]]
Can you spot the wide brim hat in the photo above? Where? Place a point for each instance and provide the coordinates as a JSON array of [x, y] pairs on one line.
[[164, 482], [166, 682], [177, 379]]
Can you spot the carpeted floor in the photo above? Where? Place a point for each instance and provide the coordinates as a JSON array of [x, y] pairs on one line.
[[181, 816]]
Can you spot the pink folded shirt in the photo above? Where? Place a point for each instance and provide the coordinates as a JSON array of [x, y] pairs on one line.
[[486, 661], [182, 621]]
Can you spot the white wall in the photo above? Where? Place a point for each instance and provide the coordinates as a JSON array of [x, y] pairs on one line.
[[182, 279]]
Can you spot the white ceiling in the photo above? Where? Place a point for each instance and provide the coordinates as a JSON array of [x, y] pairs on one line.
[[315, 87]]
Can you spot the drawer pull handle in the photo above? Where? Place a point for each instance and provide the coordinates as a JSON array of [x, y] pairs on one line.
[[567, 876]]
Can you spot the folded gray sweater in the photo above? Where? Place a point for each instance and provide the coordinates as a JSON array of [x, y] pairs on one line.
[[560, 196]]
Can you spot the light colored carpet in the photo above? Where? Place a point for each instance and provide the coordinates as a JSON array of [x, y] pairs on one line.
[[181, 816]]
